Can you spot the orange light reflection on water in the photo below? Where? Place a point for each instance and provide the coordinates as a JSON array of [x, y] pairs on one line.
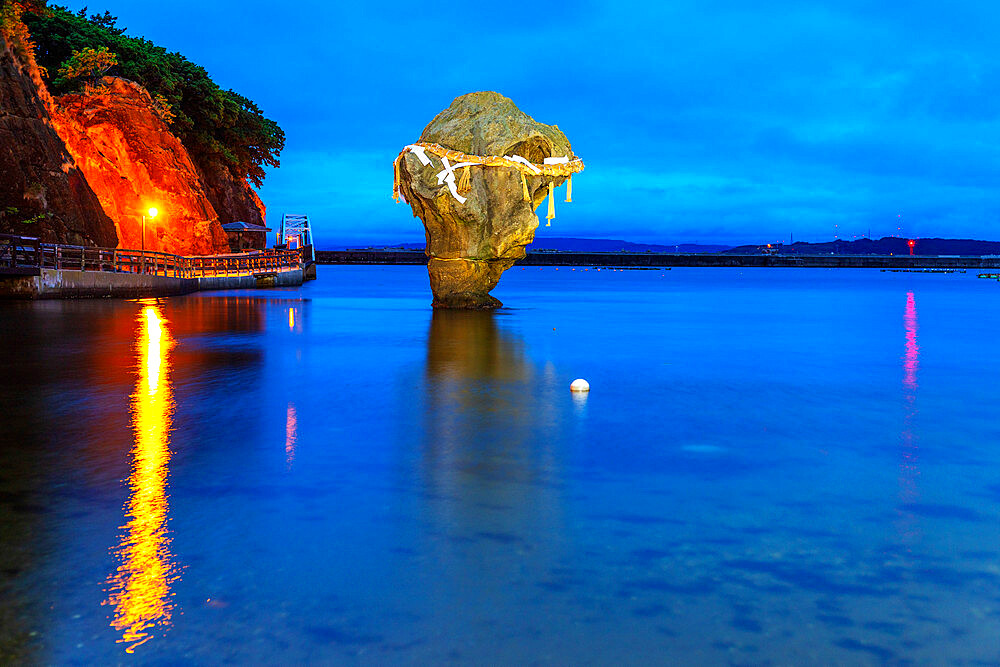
[[139, 590]]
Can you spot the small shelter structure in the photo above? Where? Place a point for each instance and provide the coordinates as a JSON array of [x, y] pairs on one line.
[[246, 236]]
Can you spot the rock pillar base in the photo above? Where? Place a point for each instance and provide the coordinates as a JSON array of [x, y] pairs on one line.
[[466, 283]]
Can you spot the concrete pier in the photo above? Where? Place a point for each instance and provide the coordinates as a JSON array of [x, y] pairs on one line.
[[75, 284], [30, 269]]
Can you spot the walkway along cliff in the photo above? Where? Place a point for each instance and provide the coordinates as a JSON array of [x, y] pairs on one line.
[[30, 269]]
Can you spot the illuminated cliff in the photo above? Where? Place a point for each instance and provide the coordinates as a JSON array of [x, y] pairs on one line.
[[42, 192], [132, 161], [82, 168]]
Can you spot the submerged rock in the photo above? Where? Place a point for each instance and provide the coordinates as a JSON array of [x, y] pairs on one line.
[[471, 243]]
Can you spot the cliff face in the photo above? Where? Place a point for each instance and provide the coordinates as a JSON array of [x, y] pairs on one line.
[[39, 179], [133, 162], [470, 244], [83, 169], [233, 199]]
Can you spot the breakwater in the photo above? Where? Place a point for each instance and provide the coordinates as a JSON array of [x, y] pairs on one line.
[[75, 284], [685, 260]]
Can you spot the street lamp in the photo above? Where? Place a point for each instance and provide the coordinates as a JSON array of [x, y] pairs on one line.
[[152, 212]]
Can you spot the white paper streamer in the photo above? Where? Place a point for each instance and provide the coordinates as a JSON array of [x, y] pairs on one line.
[[447, 172], [524, 161], [447, 175], [420, 153]]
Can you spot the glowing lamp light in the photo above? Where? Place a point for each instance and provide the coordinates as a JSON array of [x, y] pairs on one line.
[[153, 212]]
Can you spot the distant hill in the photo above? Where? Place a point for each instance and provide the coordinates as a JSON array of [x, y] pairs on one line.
[[889, 245], [566, 244], [613, 245]]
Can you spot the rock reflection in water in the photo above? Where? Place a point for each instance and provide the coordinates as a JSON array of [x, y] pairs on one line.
[[489, 428], [479, 404]]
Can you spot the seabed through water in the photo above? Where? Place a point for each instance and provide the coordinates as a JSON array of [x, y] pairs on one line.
[[788, 465]]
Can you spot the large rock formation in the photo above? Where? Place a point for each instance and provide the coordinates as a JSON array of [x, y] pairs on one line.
[[470, 245], [133, 162], [42, 192], [82, 169]]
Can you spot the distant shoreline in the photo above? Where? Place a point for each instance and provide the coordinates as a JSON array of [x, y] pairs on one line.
[[650, 259]]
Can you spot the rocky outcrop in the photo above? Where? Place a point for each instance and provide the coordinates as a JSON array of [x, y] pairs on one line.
[[233, 198], [42, 191], [470, 245], [133, 162], [84, 168]]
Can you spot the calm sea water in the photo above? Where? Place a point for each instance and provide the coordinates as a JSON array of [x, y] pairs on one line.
[[773, 466]]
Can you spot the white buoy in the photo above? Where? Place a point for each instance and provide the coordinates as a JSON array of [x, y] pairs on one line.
[[579, 384]]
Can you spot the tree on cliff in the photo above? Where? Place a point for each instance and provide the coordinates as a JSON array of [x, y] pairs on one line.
[[87, 65], [19, 7], [12, 26], [222, 130]]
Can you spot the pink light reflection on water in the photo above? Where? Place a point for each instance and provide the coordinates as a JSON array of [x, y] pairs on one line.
[[911, 358], [291, 434], [909, 466]]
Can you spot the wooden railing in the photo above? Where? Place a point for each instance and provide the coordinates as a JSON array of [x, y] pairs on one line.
[[27, 255], [19, 255]]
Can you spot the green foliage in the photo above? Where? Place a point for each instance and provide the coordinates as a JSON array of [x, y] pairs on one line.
[[19, 7], [163, 109], [87, 64], [12, 26], [220, 128], [38, 218], [12, 214]]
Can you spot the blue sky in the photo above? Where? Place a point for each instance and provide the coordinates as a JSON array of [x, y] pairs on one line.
[[710, 121]]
